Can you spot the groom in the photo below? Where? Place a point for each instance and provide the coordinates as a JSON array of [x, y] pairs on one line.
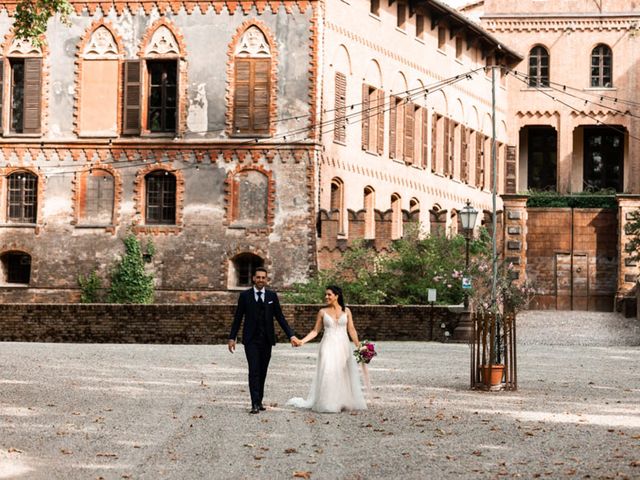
[[258, 306]]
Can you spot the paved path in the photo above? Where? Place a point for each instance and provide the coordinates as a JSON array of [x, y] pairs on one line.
[[180, 412]]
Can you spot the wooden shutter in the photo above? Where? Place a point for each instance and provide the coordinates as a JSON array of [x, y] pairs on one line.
[[131, 97], [365, 116], [434, 141], [339, 126], [1, 89], [409, 132], [445, 147], [510, 170], [242, 96], [425, 137], [380, 122], [464, 157], [393, 124], [479, 160], [452, 146], [261, 83], [32, 94]]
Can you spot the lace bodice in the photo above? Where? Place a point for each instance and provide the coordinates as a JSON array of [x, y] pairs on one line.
[[331, 324]]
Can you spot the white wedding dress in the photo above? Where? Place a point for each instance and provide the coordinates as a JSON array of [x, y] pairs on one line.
[[336, 385]]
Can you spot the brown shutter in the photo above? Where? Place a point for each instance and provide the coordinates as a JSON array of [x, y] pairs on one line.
[[380, 122], [261, 82], [339, 127], [452, 148], [479, 160], [32, 94], [434, 141], [242, 96], [131, 97], [445, 147], [510, 170], [393, 121], [365, 116], [464, 157], [409, 132], [1, 89], [425, 137]]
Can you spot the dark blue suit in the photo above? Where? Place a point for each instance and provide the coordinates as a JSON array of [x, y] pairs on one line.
[[258, 335]]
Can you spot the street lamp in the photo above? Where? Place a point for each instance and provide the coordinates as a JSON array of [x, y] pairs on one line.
[[468, 216]]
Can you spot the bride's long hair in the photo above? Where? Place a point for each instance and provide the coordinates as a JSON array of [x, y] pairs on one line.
[[338, 291]]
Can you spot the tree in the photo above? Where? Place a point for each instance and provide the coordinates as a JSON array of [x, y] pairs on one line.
[[32, 16]]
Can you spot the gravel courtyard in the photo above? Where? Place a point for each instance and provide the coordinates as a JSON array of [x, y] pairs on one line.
[[89, 411]]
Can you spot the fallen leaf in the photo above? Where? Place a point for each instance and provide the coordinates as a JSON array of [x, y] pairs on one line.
[[64, 451], [250, 445], [302, 474], [290, 450], [107, 454], [14, 450]]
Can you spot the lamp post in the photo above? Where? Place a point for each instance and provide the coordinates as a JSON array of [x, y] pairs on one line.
[[468, 216]]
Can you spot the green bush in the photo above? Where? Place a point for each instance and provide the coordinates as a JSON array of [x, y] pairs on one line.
[[601, 199], [401, 276], [90, 286], [129, 281]]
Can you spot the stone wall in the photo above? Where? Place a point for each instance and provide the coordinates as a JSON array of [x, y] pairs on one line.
[[201, 324]]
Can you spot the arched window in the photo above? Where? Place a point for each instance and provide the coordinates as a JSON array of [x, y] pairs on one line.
[[601, 66], [252, 84], [437, 220], [242, 268], [369, 213], [23, 68], [340, 106], [97, 200], [250, 199], [396, 216], [153, 82], [22, 197], [538, 67], [16, 268], [337, 202], [98, 84], [160, 205]]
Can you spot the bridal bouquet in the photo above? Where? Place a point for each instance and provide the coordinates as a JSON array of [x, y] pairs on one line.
[[366, 352]]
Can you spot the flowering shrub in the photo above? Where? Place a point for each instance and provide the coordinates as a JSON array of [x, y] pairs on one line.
[[511, 296]]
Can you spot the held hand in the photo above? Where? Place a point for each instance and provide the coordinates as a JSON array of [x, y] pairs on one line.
[[232, 345], [295, 341]]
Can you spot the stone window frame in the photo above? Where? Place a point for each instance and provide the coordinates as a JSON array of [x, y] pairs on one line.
[[396, 216], [79, 185], [231, 87], [4, 186], [180, 57], [80, 59], [369, 207], [13, 47], [230, 192], [139, 195], [337, 185]]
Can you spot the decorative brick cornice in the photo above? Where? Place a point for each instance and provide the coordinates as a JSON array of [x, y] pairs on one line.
[[230, 89], [139, 197], [79, 64], [230, 193], [41, 179], [562, 24], [79, 186]]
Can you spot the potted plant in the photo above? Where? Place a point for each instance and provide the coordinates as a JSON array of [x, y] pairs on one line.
[[494, 309]]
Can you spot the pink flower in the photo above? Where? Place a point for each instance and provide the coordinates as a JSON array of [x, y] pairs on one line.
[[371, 347]]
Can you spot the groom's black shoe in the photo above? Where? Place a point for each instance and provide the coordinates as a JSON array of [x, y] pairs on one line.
[[255, 408], [261, 407]]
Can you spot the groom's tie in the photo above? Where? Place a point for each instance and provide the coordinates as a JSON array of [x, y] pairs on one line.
[[259, 297]]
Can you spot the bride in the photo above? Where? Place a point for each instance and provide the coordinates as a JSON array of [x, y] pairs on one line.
[[336, 385]]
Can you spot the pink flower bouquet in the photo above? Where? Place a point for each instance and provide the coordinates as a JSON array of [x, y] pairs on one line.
[[366, 352]]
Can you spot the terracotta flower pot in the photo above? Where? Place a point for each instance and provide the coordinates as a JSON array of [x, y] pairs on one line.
[[497, 372]]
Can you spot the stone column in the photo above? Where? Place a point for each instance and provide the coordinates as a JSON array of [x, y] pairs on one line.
[[515, 233], [627, 269]]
